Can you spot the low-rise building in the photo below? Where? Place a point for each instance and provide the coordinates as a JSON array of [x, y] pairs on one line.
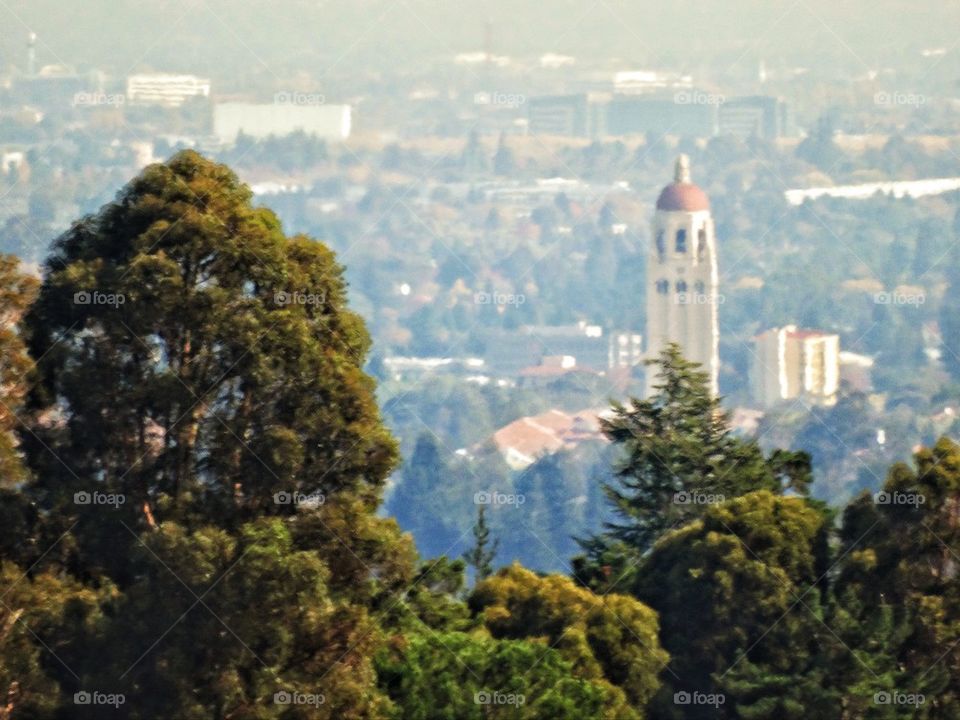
[[165, 89], [578, 115], [590, 348], [856, 371], [525, 440], [759, 116]]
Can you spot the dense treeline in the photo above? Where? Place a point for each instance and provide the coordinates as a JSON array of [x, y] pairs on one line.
[[193, 462]]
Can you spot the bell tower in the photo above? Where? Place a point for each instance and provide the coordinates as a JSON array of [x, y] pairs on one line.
[[682, 277]]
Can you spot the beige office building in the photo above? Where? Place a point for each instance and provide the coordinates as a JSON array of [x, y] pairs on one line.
[[789, 363]]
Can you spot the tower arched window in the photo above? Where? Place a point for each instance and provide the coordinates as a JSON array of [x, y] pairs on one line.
[[699, 288], [681, 240], [681, 286], [663, 287], [701, 243], [661, 245]]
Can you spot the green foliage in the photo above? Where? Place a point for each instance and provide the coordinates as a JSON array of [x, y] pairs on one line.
[[456, 676], [45, 625], [16, 293], [679, 456], [226, 368], [240, 558], [217, 624], [481, 556], [898, 590], [739, 597], [609, 639]]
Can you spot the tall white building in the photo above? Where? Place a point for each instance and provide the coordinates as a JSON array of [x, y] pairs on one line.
[[789, 363], [682, 278]]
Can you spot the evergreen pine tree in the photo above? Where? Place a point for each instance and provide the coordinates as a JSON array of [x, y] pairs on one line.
[[481, 555]]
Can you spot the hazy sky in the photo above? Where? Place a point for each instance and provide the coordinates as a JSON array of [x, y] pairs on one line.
[[345, 35]]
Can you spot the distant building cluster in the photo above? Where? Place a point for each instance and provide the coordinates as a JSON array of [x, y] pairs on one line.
[[57, 88], [584, 346], [683, 301], [684, 111]]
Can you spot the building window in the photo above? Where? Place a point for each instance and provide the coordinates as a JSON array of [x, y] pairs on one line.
[[701, 243], [699, 288], [663, 287], [681, 286], [681, 241], [661, 245]]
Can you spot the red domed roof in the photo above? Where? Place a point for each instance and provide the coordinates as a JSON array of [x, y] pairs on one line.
[[685, 197], [682, 195]]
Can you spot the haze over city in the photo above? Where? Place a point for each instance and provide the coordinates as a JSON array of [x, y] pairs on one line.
[[412, 360]]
